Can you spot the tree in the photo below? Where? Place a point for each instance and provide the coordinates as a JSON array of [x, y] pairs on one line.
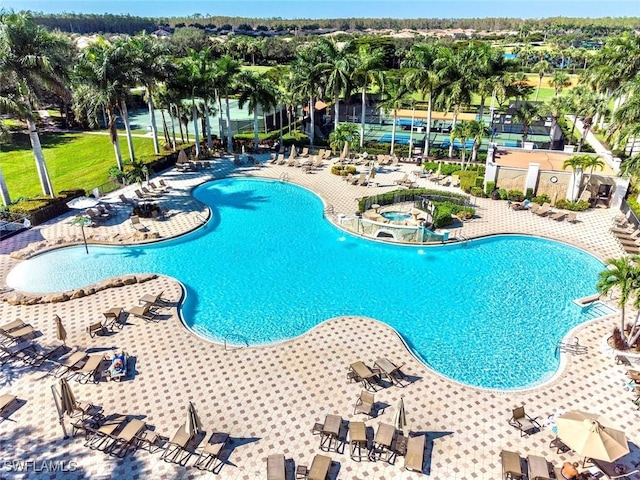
[[623, 276], [306, 81], [32, 61], [368, 68], [460, 131], [477, 131], [542, 67], [345, 133], [559, 81], [396, 95], [590, 162], [226, 71], [256, 91], [526, 114], [337, 67]]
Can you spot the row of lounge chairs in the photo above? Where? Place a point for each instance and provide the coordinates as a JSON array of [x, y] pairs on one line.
[[627, 236], [371, 378], [545, 210], [148, 309]]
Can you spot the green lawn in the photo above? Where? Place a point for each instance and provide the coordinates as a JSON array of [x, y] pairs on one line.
[[74, 160]]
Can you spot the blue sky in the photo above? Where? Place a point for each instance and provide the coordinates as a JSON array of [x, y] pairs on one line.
[[339, 8]]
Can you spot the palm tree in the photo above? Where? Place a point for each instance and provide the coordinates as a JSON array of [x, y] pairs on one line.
[[345, 133], [477, 131], [226, 71], [623, 276], [33, 62], [526, 114], [559, 80], [589, 162], [460, 132], [256, 91], [306, 81], [542, 67], [368, 67], [337, 67], [575, 163], [396, 94]]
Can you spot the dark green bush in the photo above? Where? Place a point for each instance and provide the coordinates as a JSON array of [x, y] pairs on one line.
[[444, 211], [343, 170], [529, 194], [477, 192], [515, 195], [410, 194], [540, 199], [467, 179], [579, 206], [504, 195]]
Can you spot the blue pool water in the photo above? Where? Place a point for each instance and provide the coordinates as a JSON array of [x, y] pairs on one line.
[[401, 138], [268, 267], [396, 216]]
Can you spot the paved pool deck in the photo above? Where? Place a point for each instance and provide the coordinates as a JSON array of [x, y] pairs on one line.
[[269, 398]]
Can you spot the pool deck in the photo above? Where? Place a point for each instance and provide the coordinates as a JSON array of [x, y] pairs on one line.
[[269, 398]]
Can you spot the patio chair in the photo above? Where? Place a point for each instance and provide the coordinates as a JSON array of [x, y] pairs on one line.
[[455, 180], [156, 300], [148, 193], [164, 184], [5, 401], [415, 453], [114, 317], [364, 403], [14, 325], [98, 438], [523, 422], [87, 372], [558, 216], [145, 312], [63, 365], [176, 446], [209, 457], [538, 468], [402, 180], [126, 201], [8, 352], [96, 329], [358, 440], [124, 440], [18, 334], [135, 223], [95, 215], [543, 210], [276, 467], [319, 468], [511, 466], [613, 471]]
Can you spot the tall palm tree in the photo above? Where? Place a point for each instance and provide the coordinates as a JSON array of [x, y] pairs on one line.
[[337, 67], [590, 162], [575, 163], [526, 114], [226, 71], [396, 95], [559, 81], [541, 68], [477, 130], [10, 103], [306, 81], [256, 91], [33, 61], [367, 69], [623, 276], [346, 132], [460, 131]]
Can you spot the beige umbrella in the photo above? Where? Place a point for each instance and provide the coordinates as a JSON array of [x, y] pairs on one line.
[[345, 151], [293, 153], [193, 425], [182, 157], [61, 333], [439, 171], [591, 436], [372, 170], [67, 399], [399, 417]]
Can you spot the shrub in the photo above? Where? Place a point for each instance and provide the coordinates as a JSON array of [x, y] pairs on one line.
[[477, 192], [491, 186], [444, 211], [529, 194], [540, 199], [467, 179], [343, 170], [410, 194], [515, 195], [503, 194], [579, 206]]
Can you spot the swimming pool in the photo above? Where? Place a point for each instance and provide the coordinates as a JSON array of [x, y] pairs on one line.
[[269, 267]]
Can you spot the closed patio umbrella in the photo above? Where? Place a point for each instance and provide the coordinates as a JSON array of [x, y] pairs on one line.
[[182, 157], [345, 151], [399, 417], [193, 425], [293, 153], [67, 399], [591, 436], [61, 333]]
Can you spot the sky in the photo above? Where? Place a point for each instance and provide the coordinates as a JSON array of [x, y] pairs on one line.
[[338, 8]]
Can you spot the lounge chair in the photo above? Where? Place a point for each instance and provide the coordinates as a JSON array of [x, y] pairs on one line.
[[543, 210], [135, 223], [99, 437], [276, 467], [523, 422], [455, 180], [113, 317], [402, 180], [281, 160], [156, 300], [123, 441], [6, 400], [364, 374], [558, 216], [511, 466], [364, 403], [610, 471], [95, 215], [37, 355], [415, 453], [319, 468], [126, 201], [118, 366], [63, 365], [96, 329], [445, 181], [209, 457], [8, 327], [87, 371], [390, 370], [145, 312], [176, 446], [538, 468], [8, 352], [357, 440], [18, 334], [164, 184]]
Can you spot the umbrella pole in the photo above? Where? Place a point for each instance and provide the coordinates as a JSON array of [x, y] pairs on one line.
[[56, 397]]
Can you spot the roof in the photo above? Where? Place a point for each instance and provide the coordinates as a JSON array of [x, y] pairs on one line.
[[549, 160]]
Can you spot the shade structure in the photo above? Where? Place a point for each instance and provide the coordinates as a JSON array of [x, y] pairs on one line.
[[193, 425], [293, 153], [67, 399], [591, 436], [345, 151], [61, 333], [82, 203], [399, 417], [182, 157]]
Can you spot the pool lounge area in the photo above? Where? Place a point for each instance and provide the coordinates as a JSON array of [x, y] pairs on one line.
[[268, 398]]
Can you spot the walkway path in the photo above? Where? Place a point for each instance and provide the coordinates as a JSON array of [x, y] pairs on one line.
[[268, 398]]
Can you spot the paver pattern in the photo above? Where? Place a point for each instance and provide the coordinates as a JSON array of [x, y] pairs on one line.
[[269, 398]]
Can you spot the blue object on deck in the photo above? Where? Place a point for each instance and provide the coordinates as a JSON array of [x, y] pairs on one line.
[[512, 144], [406, 122], [401, 138]]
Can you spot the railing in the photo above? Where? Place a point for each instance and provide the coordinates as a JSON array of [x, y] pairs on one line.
[[237, 337]]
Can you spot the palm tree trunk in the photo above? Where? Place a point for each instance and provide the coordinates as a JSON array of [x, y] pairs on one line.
[[453, 125], [165, 129], [336, 109], [113, 134], [229, 133], [428, 135], [393, 130], [207, 124], [173, 132], [539, 85], [41, 166], [256, 138], [312, 110], [220, 122], [413, 116], [4, 191], [125, 120], [154, 128], [177, 115], [281, 126], [363, 113], [196, 134]]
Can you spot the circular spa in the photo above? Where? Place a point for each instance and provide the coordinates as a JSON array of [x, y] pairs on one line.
[[268, 267], [397, 216]]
